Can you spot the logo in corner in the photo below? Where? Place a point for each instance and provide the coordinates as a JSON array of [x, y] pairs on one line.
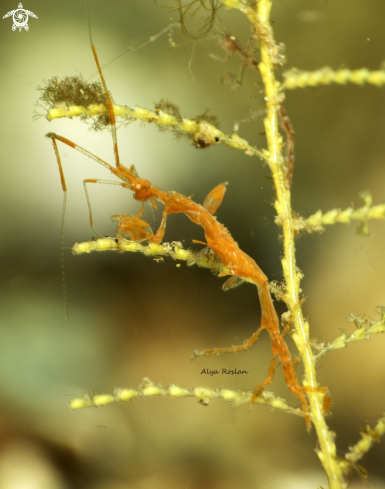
[[20, 17]]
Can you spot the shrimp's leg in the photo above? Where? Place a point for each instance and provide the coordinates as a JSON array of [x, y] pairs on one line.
[[269, 320], [259, 388], [214, 198], [299, 392], [94, 180], [157, 238], [249, 343], [292, 383]]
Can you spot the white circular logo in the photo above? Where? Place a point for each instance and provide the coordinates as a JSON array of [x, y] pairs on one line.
[[20, 17]]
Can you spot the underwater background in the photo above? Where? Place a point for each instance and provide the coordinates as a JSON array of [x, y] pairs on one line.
[[132, 317]]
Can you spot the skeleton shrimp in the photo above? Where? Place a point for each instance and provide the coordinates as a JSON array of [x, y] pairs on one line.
[[231, 45], [218, 238]]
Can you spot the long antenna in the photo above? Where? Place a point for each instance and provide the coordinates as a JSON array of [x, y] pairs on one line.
[[63, 214], [130, 51], [108, 97]]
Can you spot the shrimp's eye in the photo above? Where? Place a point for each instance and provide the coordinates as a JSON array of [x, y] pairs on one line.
[[216, 139]]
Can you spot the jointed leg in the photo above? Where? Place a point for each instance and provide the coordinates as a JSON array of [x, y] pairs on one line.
[[259, 388], [94, 180], [158, 236], [249, 343]]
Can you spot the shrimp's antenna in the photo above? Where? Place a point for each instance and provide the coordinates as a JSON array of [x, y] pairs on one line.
[[150, 39], [106, 92], [63, 214]]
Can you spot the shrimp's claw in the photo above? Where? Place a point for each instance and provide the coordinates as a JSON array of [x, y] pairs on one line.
[[132, 228], [215, 197], [232, 282]]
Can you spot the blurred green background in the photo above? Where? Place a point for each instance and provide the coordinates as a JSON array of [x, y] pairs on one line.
[[131, 317]]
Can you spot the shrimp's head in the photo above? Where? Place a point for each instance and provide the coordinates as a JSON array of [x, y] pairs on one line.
[[143, 189]]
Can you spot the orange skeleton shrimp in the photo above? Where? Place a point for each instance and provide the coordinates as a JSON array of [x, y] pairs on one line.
[[218, 239]]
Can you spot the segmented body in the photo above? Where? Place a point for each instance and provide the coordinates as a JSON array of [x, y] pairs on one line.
[[218, 239], [237, 261]]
